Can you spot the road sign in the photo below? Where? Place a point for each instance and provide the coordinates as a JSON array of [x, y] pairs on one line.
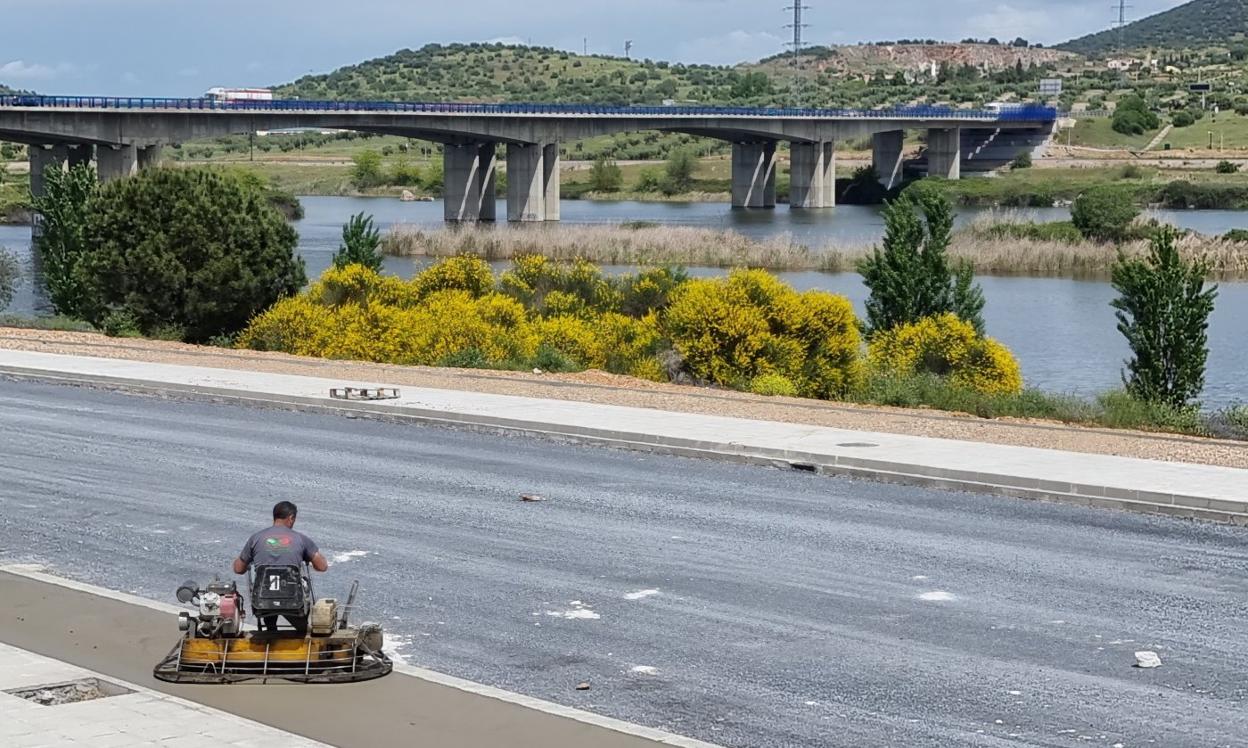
[[1051, 87], [1200, 87]]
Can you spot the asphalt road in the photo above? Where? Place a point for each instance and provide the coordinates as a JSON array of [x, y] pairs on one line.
[[740, 605]]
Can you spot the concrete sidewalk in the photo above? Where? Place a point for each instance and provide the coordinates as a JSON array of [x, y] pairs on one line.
[[1196, 491], [121, 637], [132, 716]]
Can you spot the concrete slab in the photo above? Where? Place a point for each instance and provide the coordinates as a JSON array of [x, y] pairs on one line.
[[125, 719], [1018, 471], [122, 637]]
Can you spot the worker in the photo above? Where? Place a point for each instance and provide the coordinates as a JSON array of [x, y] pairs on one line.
[[280, 545]]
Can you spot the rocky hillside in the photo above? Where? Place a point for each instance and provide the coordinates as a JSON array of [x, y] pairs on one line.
[[869, 58], [1195, 24]]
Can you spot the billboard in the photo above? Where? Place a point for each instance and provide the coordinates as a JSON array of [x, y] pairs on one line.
[[1051, 87]]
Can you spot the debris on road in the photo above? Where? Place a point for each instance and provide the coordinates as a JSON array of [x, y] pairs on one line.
[[582, 686], [1147, 659], [531, 497], [364, 393]]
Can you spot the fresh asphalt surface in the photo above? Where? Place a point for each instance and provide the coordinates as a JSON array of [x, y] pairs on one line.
[[776, 608]]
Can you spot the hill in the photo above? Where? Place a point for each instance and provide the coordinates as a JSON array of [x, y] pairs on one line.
[[497, 72], [1195, 24]]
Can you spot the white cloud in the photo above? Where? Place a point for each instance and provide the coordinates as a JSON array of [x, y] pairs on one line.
[[21, 70], [732, 47]]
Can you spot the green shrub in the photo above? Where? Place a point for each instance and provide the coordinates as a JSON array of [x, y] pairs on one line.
[[1133, 117], [120, 323], [1121, 410], [1131, 171], [1183, 118], [678, 172], [773, 385], [193, 248], [1104, 213], [1236, 235], [1021, 161], [605, 176], [361, 244], [1226, 167], [10, 276], [1163, 310], [910, 277], [366, 169]]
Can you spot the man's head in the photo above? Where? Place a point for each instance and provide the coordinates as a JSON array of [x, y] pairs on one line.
[[284, 513]]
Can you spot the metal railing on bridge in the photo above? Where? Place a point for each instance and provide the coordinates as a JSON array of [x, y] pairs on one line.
[[1023, 113]]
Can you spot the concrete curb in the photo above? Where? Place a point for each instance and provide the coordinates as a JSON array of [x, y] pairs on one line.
[[1091, 495]]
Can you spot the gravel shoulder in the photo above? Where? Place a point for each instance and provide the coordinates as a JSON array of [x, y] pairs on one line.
[[600, 387]]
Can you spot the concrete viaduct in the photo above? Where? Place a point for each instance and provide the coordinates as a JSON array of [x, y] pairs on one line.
[[123, 135]]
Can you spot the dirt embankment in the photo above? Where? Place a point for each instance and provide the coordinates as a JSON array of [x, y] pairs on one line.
[[609, 389]]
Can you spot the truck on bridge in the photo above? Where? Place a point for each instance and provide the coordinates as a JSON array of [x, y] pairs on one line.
[[238, 94]]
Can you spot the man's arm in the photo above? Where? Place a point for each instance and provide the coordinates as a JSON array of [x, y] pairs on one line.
[[319, 563], [312, 554], [244, 558]]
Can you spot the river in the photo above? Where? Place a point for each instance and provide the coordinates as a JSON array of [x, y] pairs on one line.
[[1062, 330]]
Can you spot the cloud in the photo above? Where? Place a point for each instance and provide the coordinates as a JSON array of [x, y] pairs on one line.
[[732, 47], [21, 70]]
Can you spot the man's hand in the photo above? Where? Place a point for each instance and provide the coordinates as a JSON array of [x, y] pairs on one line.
[[240, 567], [318, 562]]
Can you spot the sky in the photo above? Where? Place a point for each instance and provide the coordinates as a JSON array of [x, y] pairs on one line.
[[184, 47]]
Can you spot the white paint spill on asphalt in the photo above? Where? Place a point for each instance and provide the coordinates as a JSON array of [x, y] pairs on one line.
[[644, 670], [919, 578], [395, 644], [579, 612], [641, 594], [937, 596], [342, 558]]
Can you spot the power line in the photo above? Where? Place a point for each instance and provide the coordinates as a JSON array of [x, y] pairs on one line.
[[1122, 8], [798, 26]]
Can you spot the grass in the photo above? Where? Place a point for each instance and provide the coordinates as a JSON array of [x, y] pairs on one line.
[[992, 250], [1098, 132], [1115, 410], [57, 323]]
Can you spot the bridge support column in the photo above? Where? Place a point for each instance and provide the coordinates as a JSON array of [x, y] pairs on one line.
[[80, 155], [116, 162], [944, 153], [43, 158], [150, 156], [886, 152], [469, 189], [551, 177], [754, 174], [812, 173]]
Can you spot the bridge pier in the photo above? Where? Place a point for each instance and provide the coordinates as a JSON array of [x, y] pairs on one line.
[[43, 158], [944, 153], [80, 155], [532, 182], [886, 151], [469, 187], [812, 173], [116, 161], [754, 174], [150, 156]]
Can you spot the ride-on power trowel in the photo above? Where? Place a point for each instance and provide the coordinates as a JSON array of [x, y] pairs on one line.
[[216, 647]]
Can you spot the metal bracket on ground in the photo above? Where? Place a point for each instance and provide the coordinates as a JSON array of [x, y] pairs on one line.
[[364, 393]]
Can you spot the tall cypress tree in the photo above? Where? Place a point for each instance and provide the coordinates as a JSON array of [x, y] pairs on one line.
[[1163, 310], [910, 276]]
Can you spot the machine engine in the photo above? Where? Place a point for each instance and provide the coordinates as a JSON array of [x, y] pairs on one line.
[[219, 610]]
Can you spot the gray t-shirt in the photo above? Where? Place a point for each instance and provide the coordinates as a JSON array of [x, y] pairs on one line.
[[278, 546]]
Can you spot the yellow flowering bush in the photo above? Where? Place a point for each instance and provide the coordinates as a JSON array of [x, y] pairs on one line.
[[612, 342], [463, 272], [296, 325], [357, 284], [534, 280], [734, 330], [948, 347]]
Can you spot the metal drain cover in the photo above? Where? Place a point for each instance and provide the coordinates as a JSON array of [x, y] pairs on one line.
[[858, 445], [86, 689]]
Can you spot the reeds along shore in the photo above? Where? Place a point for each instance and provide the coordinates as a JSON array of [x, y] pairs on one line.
[[634, 244]]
